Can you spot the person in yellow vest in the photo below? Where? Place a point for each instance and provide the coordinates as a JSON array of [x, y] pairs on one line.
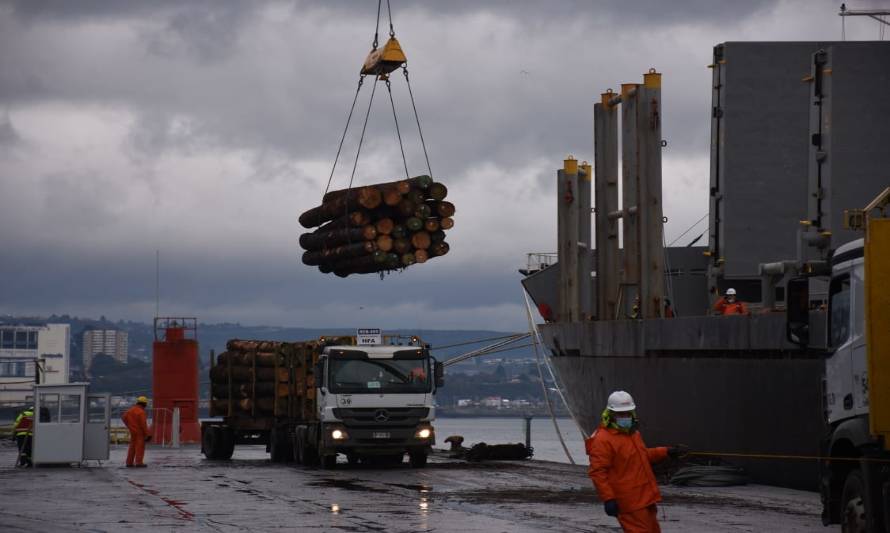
[[24, 435]]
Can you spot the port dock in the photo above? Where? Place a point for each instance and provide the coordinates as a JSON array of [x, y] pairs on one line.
[[180, 490]]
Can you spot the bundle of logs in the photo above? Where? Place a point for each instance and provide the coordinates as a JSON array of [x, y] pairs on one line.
[[259, 372], [378, 228]]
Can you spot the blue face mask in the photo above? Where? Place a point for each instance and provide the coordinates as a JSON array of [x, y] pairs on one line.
[[624, 423]]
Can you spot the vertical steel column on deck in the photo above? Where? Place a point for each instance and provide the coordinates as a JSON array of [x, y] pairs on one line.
[[606, 187], [630, 193], [585, 266], [567, 241], [650, 214]]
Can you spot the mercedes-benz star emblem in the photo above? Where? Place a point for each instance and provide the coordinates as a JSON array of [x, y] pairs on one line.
[[381, 415]]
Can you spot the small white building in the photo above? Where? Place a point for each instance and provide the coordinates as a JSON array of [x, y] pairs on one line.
[[22, 348]]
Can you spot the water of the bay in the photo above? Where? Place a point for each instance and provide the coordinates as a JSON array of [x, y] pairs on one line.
[[512, 430]]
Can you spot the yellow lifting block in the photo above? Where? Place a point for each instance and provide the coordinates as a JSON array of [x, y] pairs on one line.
[[384, 60]]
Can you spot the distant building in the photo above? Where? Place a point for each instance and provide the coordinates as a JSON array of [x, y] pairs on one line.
[[24, 347], [110, 342]]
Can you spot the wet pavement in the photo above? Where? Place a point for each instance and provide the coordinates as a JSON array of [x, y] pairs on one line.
[[180, 490]]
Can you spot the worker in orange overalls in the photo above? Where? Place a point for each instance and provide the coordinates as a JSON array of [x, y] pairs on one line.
[[136, 421], [620, 467], [729, 305]]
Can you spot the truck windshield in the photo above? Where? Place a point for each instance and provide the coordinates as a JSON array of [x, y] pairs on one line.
[[379, 375]]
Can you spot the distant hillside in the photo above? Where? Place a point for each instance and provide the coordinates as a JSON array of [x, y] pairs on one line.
[[136, 375]]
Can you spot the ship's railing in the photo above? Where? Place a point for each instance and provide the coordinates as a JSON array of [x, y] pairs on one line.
[[537, 261]]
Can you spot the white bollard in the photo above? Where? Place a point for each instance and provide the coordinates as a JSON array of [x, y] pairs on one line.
[[174, 428]]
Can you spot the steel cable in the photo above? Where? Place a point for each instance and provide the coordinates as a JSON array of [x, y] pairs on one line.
[[398, 132], [417, 119], [361, 80]]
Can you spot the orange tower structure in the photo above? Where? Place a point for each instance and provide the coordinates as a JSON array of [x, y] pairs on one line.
[[175, 379]]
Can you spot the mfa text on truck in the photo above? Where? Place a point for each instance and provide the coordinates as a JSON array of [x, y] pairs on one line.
[[312, 401]]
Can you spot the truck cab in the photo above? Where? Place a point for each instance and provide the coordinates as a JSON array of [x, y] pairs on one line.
[[377, 402], [852, 337]]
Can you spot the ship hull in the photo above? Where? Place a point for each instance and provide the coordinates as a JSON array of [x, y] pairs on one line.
[[732, 401]]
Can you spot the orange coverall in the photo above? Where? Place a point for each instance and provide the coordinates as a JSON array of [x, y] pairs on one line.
[[135, 420], [620, 467], [723, 307]]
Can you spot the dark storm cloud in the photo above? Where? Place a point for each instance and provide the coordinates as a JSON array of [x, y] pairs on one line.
[[202, 128]]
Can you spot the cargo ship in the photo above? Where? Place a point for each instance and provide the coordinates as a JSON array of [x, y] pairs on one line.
[[798, 134]]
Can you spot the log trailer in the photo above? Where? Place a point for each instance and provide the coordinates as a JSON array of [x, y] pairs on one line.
[[368, 397], [855, 340]]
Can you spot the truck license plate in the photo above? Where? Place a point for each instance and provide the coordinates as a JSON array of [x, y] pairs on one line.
[[380, 435]]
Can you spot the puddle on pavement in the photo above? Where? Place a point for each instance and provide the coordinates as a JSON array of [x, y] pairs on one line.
[[344, 484]]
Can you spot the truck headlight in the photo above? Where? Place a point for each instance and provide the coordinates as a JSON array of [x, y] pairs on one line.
[[424, 433], [338, 434]]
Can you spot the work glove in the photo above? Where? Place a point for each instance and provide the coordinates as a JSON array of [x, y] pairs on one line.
[[680, 450], [148, 438], [611, 507]]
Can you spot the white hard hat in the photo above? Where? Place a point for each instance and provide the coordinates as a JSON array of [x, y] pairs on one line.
[[620, 402], [730, 292]]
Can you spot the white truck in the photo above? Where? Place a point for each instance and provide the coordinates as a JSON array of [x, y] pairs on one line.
[[369, 397], [852, 330]]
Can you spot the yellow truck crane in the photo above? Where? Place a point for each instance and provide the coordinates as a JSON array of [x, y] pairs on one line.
[[855, 335]]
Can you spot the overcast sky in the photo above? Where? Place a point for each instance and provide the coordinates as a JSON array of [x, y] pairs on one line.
[[204, 128]]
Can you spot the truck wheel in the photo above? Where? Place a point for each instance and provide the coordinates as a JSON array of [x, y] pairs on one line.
[[227, 448], [211, 442], [352, 458], [279, 450], [328, 462], [418, 460], [853, 512], [298, 448]]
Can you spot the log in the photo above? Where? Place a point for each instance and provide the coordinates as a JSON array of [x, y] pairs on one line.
[[268, 359], [240, 374], [219, 407], [437, 236], [446, 223], [367, 197], [437, 191], [430, 225], [355, 219], [391, 196], [222, 358], [238, 345], [413, 224], [423, 211], [384, 243], [442, 209], [402, 186], [439, 249], [317, 257], [384, 226], [355, 264], [401, 246], [398, 232], [406, 207], [269, 374], [415, 196], [408, 259], [263, 405], [421, 256], [328, 239], [421, 240], [219, 390]]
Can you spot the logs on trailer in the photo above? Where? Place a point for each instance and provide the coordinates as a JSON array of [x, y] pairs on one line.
[[378, 228], [256, 378]]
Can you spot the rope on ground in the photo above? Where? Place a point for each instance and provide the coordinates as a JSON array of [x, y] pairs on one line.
[[709, 476]]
